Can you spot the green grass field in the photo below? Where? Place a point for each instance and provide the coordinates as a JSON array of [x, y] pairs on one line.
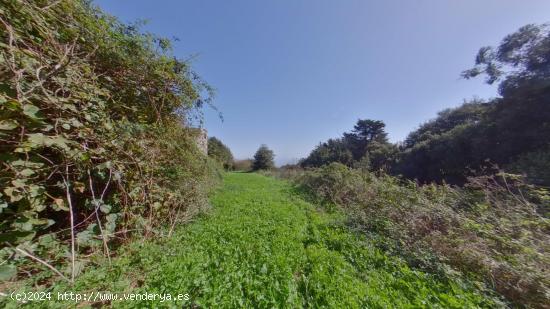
[[263, 246]]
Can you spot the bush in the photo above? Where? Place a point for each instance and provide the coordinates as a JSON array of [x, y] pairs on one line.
[[492, 230], [93, 141], [288, 171], [535, 165], [243, 165], [263, 159], [220, 153]]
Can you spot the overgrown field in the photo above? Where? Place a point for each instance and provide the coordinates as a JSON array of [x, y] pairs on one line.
[[263, 246], [494, 230]]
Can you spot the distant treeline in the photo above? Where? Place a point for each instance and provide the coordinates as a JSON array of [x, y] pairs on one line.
[[511, 131]]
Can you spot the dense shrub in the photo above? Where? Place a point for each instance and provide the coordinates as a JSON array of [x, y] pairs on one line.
[[516, 124], [220, 153], [366, 146], [243, 165], [534, 165], [491, 230], [263, 159], [93, 141], [287, 171]]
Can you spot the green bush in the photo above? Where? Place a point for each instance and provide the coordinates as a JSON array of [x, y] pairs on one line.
[[263, 159], [93, 141], [535, 165], [243, 165], [492, 230], [220, 153]]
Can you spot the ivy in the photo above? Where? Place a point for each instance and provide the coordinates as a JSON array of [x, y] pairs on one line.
[[93, 137]]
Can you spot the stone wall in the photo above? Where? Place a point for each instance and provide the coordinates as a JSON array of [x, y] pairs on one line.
[[202, 140]]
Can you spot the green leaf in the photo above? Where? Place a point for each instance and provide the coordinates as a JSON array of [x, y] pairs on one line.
[[13, 194], [7, 125], [32, 111], [26, 172], [16, 237], [59, 204], [7, 272], [84, 237], [105, 208], [37, 140], [3, 205]]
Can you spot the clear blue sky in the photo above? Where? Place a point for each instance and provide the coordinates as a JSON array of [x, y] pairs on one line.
[[293, 73]]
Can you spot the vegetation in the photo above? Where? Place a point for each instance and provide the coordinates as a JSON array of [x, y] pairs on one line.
[[511, 131], [365, 146], [504, 130], [492, 230], [220, 153], [93, 137], [243, 165], [279, 252], [96, 146], [263, 159]]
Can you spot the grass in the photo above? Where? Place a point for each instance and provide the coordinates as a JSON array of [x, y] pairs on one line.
[[263, 246]]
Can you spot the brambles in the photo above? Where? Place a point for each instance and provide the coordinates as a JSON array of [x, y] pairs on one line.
[[220, 153], [243, 165], [492, 230], [93, 141], [263, 246]]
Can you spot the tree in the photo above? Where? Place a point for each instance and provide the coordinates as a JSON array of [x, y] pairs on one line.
[[220, 152], [365, 132], [366, 145], [510, 131], [333, 150], [263, 159]]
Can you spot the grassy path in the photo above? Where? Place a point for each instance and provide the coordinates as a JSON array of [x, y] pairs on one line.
[[262, 246]]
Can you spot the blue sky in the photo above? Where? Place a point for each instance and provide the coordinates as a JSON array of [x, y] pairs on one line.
[[293, 73]]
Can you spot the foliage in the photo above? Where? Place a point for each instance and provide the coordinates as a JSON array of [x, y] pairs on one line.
[[280, 252], [333, 150], [469, 113], [93, 141], [364, 133], [492, 230], [263, 159], [535, 165], [243, 165], [501, 130], [366, 145], [220, 152]]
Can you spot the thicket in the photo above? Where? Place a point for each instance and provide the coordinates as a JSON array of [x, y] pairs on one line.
[[94, 142], [492, 230], [511, 131], [220, 153], [366, 146], [244, 165]]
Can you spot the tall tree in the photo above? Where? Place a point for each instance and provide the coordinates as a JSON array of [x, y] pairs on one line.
[[263, 159], [366, 146], [365, 132]]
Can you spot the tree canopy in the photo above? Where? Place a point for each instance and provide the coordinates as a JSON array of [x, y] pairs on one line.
[[220, 152], [263, 159], [366, 145], [497, 132]]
